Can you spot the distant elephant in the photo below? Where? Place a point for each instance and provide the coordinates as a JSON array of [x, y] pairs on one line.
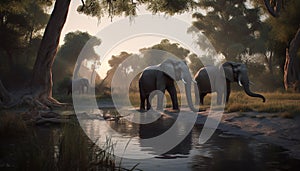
[[234, 72], [78, 85], [161, 77]]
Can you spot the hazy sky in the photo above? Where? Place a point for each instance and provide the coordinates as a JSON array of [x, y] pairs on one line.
[[76, 21]]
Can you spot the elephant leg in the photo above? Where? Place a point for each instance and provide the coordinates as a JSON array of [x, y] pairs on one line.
[[173, 93], [202, 95], [82, 89], [142, 101], [160, 100], [148, 103], [142, 97], [228, 91]]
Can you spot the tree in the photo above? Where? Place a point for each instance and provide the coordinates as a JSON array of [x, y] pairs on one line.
[[166, 48], [21, 23], [286, 29], [114, 63], [69, 53], [195, 62], [233, 28]]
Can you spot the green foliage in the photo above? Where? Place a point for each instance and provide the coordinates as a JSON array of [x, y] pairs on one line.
[[77, 152], [233, 28], [195, 63], [98, 8], [114, 63], [165, 49], [63, 147], [286, 25], [78, 46], [170, 6], [21, 25], [173, 48]]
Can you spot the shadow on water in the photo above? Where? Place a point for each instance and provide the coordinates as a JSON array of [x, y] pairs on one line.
[[221, 152]]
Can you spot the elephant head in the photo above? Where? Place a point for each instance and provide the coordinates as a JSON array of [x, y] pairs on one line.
[[178, 70], [237, 72]]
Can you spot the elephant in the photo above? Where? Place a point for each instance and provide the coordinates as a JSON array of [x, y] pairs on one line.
[[161, 77], [234, 72], [79, 85]]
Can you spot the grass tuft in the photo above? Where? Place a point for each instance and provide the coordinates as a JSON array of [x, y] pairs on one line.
[[285, 103]]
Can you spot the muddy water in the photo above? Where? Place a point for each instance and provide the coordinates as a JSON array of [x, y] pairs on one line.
[[221, 152]]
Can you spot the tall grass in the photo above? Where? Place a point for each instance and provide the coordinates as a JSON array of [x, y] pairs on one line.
[[11, 125], [26, 147], [276, 102], [76, 151]]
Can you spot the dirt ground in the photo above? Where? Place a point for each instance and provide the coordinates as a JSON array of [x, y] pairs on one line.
[[265, 127]]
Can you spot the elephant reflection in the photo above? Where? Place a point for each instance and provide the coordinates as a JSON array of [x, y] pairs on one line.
[[234, 72], [161, 77], [79, 85], [161, 126]]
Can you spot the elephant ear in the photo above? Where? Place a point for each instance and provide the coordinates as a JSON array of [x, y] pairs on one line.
[[168, 67], [229, 71]]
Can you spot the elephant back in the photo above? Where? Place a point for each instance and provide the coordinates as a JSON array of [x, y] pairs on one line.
[[204, 79]]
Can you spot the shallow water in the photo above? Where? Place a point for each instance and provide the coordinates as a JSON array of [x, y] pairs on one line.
[[221, 152]]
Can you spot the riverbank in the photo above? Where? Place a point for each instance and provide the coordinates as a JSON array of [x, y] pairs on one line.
[[266, 127]]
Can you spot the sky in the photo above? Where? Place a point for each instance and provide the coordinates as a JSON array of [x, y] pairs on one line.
[[81, 22]]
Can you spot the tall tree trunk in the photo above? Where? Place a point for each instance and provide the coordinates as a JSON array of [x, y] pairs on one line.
[[41, 82], [292, 64]]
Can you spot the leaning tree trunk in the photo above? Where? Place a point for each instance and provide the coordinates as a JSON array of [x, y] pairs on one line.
[[41, 82], [292, 65]]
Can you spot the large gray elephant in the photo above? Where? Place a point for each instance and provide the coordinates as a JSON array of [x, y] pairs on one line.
[[234, 72], [161, 77], [79, 85]]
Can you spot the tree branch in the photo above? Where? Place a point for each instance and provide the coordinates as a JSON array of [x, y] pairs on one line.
[[275, 8], [83, 5]]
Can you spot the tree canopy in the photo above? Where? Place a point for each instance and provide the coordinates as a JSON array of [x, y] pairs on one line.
[[69, 53], [21, 27], [233, 27]]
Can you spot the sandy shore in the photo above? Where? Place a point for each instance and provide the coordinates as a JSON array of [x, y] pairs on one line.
[[265, 127]]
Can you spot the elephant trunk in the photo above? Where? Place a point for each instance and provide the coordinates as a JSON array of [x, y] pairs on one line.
[[189, 97], [250, 93]]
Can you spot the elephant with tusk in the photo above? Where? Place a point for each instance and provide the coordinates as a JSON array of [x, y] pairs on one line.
[[161, 77], [234, 72]]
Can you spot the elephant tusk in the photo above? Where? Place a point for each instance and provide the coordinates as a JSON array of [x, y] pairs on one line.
[[183, 81], [239, 78], [240, 83], [251, 83]]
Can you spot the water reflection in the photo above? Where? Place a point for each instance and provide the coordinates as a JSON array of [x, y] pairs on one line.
[[237, 153], [154, 129], [221, 152]]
